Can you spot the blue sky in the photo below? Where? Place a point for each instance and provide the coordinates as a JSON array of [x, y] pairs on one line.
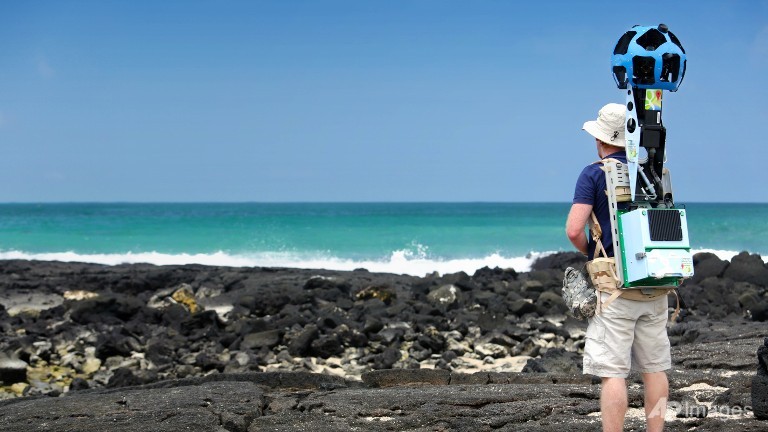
[[419, 100]]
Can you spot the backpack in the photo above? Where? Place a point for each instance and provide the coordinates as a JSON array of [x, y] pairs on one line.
[[580, 289]]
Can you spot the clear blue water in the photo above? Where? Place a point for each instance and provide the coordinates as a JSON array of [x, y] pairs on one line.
[[398, 237]]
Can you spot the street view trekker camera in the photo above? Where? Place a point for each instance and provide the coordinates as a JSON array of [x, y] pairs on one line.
[[650, 234]]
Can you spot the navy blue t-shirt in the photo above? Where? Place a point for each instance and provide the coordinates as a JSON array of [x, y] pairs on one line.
[[590, 189]]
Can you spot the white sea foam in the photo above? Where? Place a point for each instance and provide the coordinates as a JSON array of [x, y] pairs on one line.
[[399, 262]]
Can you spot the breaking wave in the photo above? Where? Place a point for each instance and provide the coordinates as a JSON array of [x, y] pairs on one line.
[[399, 262], [410, 262]]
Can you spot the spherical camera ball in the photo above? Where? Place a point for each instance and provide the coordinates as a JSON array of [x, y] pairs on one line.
[[648, 57]]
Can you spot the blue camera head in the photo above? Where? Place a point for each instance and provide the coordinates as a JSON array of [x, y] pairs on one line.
[[648, 57]]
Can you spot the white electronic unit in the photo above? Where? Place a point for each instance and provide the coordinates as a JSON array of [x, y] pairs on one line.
[[655, 250]]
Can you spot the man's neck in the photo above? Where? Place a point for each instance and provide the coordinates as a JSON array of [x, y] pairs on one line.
[[606, 152]]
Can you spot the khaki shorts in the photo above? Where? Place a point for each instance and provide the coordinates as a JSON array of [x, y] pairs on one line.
[[628, 334]]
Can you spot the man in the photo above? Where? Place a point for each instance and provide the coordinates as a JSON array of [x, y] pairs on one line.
[[628, 334]]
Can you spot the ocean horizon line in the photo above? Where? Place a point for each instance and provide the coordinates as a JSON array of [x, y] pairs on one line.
[[343, 202]]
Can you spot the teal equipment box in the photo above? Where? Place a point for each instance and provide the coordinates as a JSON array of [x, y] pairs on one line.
[[654, 247]]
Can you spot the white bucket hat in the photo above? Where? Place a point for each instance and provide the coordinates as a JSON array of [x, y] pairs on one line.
[[609, 126]]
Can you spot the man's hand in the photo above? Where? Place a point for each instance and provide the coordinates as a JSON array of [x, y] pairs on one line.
[[576, 224]]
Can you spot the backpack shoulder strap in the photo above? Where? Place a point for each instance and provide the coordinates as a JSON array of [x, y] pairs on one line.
[[595, 229]]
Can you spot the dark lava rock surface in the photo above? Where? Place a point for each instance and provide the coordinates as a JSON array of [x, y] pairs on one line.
[[142, 347]]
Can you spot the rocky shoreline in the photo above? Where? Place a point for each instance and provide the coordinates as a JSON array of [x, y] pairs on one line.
[[245, 349]]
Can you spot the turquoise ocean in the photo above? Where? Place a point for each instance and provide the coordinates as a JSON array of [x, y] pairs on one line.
[[406, 238]]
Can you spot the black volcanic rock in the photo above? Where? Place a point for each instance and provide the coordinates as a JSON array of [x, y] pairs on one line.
[[560, 261], [706, 265], [748, 268], [158, 359], [160, 351], [556, 361], [550, 303], [759, 311], [125, 377], [115, 343], [106, 308], [254, 341], [300, 344], [521, 307], [760, 384], [386, 359], [12, 370], [327, 346]]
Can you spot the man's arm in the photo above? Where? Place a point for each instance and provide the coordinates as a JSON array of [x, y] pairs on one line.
[[575, 225]]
